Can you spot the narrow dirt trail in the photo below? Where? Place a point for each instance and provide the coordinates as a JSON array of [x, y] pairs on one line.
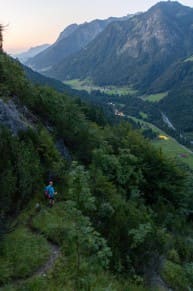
[[54, 252], [48, 265]]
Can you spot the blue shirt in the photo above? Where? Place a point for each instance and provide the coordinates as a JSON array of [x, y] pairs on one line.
[[50, 190]]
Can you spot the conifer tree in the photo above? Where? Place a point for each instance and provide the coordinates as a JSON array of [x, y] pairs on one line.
[[1, 37]]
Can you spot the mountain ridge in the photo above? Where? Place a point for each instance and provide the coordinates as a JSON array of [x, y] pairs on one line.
[[72, 39], [135, 51], [32, 52]]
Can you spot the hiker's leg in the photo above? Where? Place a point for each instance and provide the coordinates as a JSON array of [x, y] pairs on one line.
[[51, 202]]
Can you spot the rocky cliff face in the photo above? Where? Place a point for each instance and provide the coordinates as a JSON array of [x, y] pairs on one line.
[[15, 118]]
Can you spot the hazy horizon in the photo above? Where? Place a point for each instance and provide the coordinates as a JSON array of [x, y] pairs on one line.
[[32, 23]]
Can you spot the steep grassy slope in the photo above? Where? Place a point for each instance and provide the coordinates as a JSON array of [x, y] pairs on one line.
[[168, 144], [61, 275]]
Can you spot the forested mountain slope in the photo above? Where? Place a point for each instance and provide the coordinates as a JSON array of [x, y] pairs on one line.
[[123, 213]]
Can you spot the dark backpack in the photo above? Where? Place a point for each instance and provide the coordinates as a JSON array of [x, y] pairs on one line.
[[46, 192]]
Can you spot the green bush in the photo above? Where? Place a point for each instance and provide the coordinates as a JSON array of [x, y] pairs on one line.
[[175, 276], [53, 222], [184, 247], [173, 256]]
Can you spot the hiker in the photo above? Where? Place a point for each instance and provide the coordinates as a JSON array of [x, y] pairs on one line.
[[50, 193]]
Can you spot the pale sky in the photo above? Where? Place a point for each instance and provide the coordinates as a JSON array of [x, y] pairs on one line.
[[34, 22]]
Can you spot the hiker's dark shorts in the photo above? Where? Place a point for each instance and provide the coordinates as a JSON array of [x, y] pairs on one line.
[[51, 198]]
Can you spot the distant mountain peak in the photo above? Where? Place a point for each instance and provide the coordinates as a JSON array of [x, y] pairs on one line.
[[168, 3], [31, 52], [165, 5], [38, 47], [67, 31]]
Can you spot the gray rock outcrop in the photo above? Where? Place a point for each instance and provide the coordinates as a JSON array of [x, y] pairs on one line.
[[11, 117]]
